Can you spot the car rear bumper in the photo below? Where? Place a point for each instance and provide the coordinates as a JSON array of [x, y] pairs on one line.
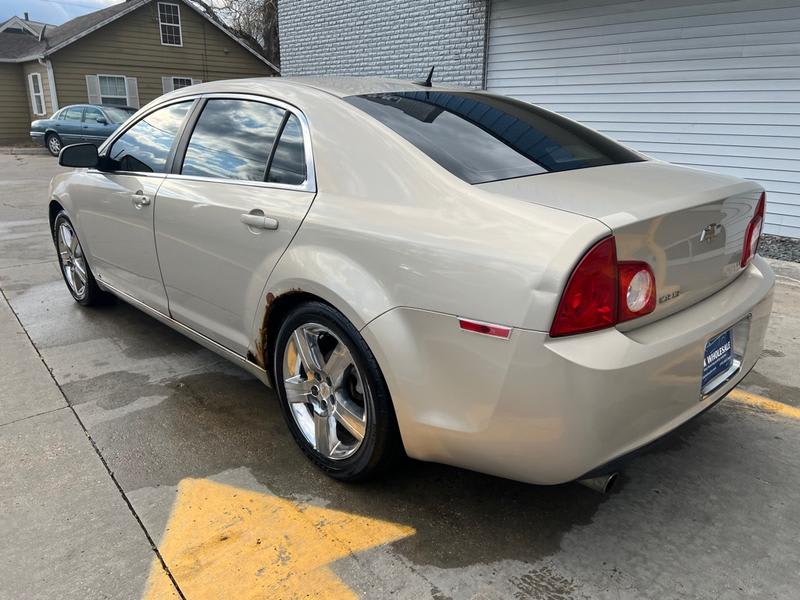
[[550, 410], [38, 137]]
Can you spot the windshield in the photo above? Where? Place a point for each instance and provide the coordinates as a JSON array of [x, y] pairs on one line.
[[118, 115], [481, 138]]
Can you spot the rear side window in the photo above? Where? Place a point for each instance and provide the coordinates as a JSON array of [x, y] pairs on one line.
[[145, 147], [481, 138], [288, 164], [232, 140]]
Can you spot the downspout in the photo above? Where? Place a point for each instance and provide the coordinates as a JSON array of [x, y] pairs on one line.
[[487, 16], [51, 78]]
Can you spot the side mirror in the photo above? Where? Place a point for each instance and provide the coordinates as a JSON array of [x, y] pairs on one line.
[[102, 120], [78, 155]]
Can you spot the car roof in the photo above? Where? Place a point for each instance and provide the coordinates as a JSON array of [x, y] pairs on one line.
[[336, 86], [86, 105]]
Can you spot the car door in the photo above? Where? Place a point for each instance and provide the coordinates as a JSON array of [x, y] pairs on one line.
[[115, 206], [69, 125], [96, 126], [241, 188]]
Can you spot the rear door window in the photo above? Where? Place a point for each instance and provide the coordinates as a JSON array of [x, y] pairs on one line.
[[145, 147], [73, 113], [233, 140], [481, 138]]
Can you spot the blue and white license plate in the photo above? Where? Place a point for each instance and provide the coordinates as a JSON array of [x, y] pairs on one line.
[[717, 358]]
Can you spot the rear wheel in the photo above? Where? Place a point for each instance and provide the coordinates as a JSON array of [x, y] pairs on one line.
[[333, 395], [53, 143], [74, 268]]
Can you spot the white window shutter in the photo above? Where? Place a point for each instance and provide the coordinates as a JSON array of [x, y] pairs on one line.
[[196, 81], [132, 90], [166, 84], [93, 89]]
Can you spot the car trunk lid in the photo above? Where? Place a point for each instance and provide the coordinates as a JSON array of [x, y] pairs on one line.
[[689, 225]]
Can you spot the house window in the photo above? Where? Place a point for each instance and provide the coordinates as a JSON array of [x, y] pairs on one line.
[[112, 90], [37, 95], [169, 21], [181, 82]]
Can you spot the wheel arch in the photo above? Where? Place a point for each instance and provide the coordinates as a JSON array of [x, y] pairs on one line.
[[53, 208], [357, 296]]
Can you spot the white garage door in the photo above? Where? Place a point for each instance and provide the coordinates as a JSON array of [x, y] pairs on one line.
[[709, 84]]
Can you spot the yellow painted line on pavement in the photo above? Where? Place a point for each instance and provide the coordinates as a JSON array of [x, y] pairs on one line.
[[227, 542], [773, 406]]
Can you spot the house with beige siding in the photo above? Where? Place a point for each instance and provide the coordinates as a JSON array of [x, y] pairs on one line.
[[126, 54]]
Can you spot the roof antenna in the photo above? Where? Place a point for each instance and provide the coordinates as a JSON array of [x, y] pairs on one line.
[[427, 82]]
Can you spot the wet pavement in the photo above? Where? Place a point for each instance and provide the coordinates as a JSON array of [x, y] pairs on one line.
[[118, 433]]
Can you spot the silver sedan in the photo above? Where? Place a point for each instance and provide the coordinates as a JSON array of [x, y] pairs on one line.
[[452, 274]]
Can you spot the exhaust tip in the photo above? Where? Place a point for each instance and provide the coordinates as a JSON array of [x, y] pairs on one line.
[[603, 484]]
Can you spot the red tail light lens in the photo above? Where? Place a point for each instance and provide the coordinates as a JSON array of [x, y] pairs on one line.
[[753, 234], [602, 292], [637, 290], [589, 301]]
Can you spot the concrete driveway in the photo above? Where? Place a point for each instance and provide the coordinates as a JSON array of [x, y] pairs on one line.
[[135, 464]]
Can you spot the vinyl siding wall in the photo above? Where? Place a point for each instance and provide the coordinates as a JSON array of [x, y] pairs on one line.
[[710, 84], [131, 46], [14, 105], [35, 67]]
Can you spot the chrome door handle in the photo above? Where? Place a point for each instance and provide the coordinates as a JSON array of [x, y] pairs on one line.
[[140, 200], [259, 221]]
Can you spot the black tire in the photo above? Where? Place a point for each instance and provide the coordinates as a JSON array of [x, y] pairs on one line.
[[381, 444], [53, 144], [90, 294]]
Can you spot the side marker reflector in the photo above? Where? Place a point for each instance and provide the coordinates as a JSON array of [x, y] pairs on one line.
[[485, 328]]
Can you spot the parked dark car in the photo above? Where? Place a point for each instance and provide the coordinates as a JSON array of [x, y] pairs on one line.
[[79, 123]]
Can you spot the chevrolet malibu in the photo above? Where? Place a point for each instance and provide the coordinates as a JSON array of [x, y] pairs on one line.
[[458, 275]]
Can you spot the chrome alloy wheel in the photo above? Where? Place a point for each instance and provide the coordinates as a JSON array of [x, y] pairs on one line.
[[73, 262], [325, 391], [54, 144]]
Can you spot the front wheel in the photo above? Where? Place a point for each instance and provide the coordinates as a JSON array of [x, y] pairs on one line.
[[333, 395], [53, 143], [74, 268]]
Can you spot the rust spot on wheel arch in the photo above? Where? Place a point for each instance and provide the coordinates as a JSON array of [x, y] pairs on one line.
[[260, 357]]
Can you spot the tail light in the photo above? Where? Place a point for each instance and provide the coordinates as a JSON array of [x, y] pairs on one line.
[[753, 233], [602, 292]]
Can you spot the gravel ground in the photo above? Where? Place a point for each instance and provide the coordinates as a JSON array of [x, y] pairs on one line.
[[782, 248]]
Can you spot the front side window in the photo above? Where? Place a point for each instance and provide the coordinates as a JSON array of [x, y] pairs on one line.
[[288, 164], [73, 113], [113, 90], [37, 95], [92, 114], [481, 138], [145, 147], [169, 22], [232, 140]]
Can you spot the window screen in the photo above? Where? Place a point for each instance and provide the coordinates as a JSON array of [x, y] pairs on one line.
[[145, 146], [480, 137], [232, 140], [289, 161]]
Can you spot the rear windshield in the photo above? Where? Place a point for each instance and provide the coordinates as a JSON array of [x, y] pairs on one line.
[[481, 138]]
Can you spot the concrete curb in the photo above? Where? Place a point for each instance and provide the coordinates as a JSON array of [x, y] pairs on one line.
[[23, 151]]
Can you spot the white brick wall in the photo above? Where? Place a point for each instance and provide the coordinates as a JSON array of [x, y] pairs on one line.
[[387, 38]]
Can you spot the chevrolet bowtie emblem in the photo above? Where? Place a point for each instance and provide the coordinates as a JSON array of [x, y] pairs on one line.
[[710, 232]]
